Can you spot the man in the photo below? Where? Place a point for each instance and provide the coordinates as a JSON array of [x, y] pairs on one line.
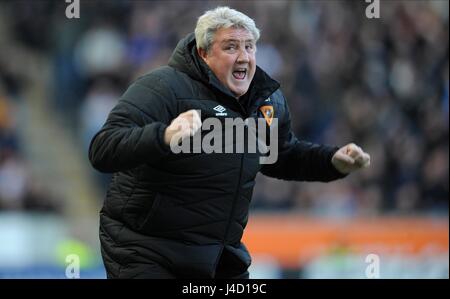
[[170, 215]]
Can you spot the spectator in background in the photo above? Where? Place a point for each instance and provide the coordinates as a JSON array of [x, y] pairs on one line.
[[19, 190]]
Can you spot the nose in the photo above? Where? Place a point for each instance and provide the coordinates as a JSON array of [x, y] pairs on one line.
[[243, 56]]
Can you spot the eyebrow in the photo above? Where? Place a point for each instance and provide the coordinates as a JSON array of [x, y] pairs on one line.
[[236, 40]]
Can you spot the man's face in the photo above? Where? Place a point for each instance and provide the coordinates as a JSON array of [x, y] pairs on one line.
[[232, 58]]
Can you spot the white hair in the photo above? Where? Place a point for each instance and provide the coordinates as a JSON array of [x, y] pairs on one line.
[[221, 17]]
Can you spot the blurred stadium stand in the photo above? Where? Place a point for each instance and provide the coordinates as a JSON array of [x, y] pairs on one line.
[[382, 83]]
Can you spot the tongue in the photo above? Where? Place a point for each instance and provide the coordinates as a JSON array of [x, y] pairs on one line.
[[239, 75]]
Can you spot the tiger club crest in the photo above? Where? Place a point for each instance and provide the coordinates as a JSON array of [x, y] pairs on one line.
[[267, 111]]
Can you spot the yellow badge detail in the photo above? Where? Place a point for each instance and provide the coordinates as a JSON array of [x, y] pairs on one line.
[[267, 111]]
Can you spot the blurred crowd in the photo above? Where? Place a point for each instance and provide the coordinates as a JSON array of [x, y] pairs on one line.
[[19, 188], [381, 83]]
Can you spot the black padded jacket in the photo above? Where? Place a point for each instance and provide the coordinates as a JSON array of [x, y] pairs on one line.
[[183, 210]]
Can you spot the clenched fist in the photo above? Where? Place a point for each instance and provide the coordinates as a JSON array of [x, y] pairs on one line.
[[185, 125], [350, 158]]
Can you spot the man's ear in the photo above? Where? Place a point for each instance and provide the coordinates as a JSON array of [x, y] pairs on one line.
[[202, 53]]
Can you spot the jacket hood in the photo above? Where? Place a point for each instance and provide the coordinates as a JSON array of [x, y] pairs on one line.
[[186, 59]]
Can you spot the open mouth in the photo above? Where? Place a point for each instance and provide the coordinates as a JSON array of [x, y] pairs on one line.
[[239, 74]]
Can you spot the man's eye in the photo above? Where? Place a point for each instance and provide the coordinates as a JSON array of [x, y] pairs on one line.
[[249, 47]]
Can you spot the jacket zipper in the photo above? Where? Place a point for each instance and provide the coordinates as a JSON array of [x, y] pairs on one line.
[[236, 195]]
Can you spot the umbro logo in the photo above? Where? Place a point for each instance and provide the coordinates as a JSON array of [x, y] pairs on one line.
[[220, 110]]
